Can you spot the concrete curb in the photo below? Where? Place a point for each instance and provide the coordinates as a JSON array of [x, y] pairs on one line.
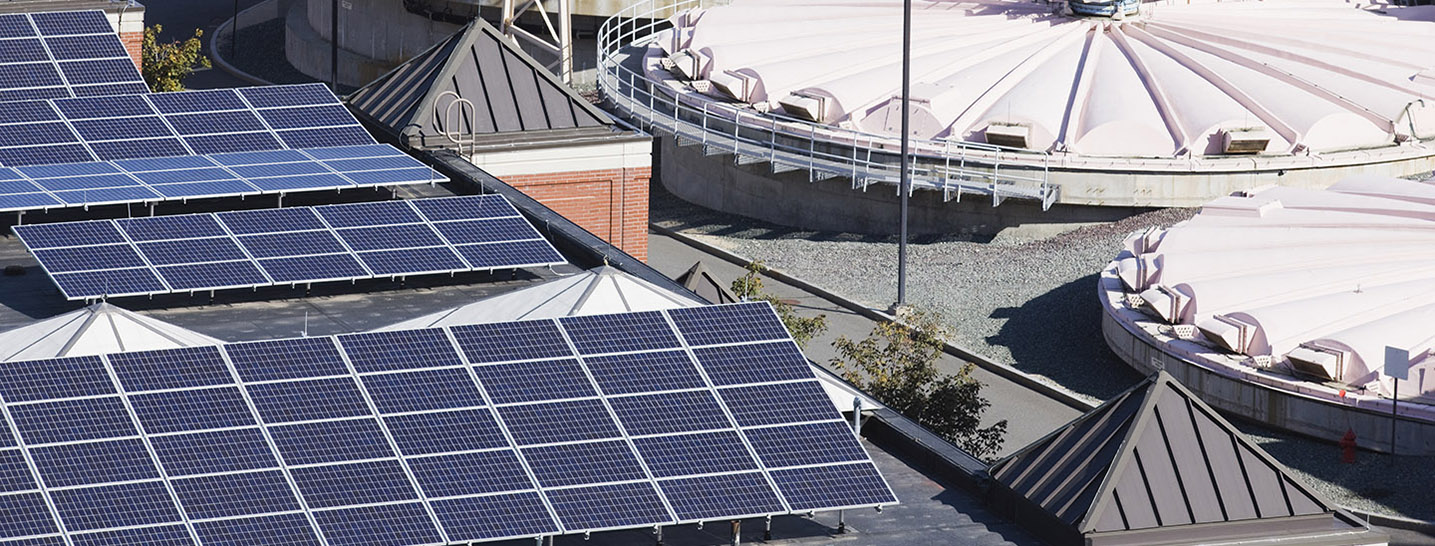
[[1395, 522], [1021, 378], [224, 65]]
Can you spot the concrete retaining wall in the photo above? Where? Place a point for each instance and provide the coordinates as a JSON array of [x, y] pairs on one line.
[[789, 199]]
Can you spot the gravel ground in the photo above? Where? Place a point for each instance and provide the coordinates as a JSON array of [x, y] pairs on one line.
[[1032, 304]]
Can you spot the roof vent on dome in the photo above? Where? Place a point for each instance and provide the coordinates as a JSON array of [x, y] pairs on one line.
[[1009, 134], [1231, 333], [1318, 361], [808, 107], [1165, 303], [683, 64], [733, 84], [1244, 140]]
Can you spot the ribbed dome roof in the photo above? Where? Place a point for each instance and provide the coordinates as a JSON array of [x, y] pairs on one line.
[[1177, 80]]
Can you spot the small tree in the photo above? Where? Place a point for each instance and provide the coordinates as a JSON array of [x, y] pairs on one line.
[[749, 287], [897, 365], [165, 66]]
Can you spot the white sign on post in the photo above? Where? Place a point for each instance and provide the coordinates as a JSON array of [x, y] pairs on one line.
[[1397, 363]]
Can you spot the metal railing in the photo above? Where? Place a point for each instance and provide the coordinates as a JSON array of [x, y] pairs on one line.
[[955, 168]]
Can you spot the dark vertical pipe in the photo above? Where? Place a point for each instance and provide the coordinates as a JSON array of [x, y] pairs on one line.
[[334, 48], [234, 34], [906, 186]]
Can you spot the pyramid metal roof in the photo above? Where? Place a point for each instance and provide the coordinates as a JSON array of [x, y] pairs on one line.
[[1156, 464], [510, 93], [98, 329]]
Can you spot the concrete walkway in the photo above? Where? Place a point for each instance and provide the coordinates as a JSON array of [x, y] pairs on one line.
[[1029, 414]]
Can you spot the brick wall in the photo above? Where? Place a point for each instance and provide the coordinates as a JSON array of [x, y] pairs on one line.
[[612, 204], [132, 41]]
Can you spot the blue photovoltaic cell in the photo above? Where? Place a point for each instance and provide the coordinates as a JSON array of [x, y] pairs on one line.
[[414, 260], [313, 268], [27, 112], [157, 228], [387, 161], [813, 443], [333, 441], [487, 231], [37, 155], [298, 243], [86, 182], [307, 116], [15, 472], [104, 107], [105, 89], [69, 465], [497, 255], [233, 450], [25, 515], [308, 400], [41, 75], [470, 473], [212, 275], [211, 122], [42, 541], [596, 334], [186, 251], [351, 135], [131, 149], [27, 201], [429, 433], [164, 163], [514, 341], [184, 175], [271, 220], [170, 369], [478, 518], [72, 420], [425, 390], [285, 183], [689, 454], [174, 411], [355, 483], [463, 208], [292, 95], [757, 363], [203, 189], [72, 22], [534, 381], [644, 372], [669, 412], [55, 378], [109, 195], [575, 464], [98, 71], [124, 505], [278, 169], [408, 349], [714, 324], [286, 359], [721, 497], [22, 51], [15, 26], [855, 484], [259, 157], [85, 47], [378, 213], [780, 403], [197, 101], [349, 152], [559, 422], [112, 282], [231, 142], [391, 176], [235, 494], [97, 232], [160, 535], [276, 530], [383, 525], [74, 169], [390, 237], [121, 128], [603, 506], [35, 133]]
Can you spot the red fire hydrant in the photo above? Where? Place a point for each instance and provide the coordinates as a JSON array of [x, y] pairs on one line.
[[1347, 447]]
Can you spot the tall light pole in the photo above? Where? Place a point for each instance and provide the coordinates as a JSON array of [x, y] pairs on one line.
[[334, 48], [906, 180]]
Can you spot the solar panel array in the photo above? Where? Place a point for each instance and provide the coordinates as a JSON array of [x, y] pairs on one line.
[[63, 54], [241, 249], [217, 175], [80, 130], [434, 436]]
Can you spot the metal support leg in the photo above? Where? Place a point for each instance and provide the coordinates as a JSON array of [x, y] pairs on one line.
[[659, 532], [767, 529], [841, 522], [736, 532]]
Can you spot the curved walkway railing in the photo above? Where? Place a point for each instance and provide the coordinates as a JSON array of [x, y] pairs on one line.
[[787, 143]]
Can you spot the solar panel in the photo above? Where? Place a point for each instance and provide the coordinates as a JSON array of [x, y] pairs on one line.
[[128, 176], [198, 252], [400, 438], [81, 45]]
